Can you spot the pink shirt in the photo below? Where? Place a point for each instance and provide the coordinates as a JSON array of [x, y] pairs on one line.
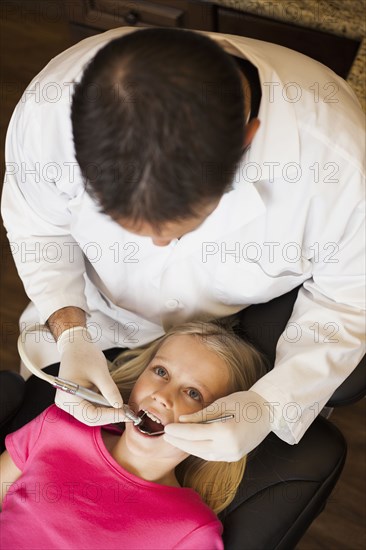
[[73, 495]]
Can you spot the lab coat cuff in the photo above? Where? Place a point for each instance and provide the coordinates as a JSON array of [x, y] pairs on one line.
[[289, 420]]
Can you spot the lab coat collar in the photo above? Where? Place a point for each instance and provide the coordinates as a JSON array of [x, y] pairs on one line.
[[275, 148]]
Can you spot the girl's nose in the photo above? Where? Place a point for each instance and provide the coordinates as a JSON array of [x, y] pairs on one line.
[[163, 397]]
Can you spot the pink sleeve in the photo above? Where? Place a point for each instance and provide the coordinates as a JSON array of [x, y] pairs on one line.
[[208, 537], [19, 444]]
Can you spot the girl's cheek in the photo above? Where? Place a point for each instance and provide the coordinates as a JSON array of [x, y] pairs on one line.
[[188, 409], [139, 393]]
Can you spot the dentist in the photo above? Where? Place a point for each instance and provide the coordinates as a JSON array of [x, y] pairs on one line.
[[156, 176]]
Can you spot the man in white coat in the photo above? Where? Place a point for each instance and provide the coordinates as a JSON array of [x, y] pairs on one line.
[[156, 176]]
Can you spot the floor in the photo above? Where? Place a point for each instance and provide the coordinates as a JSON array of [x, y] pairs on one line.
[[32, 33]]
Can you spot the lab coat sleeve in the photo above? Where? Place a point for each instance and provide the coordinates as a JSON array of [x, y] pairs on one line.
[[35, 211], [324, 338]]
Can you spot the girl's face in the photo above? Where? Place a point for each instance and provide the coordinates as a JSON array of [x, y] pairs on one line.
[[182, 378]]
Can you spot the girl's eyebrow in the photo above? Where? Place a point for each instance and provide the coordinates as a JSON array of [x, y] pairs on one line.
[[194, 382]]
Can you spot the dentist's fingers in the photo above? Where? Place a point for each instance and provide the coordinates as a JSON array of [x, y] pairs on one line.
[[109, 390], [84, 363], [88, 413], [227, 440], [222, 449], [211, 412], [193, 432]]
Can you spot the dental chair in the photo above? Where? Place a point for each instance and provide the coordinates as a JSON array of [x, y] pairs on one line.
[[285, 487]]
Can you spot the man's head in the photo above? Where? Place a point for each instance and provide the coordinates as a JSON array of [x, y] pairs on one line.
[[158, 126]]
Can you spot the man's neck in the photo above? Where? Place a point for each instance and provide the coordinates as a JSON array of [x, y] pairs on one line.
[[247, 96]]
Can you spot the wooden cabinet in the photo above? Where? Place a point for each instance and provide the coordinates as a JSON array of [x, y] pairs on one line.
[[92, 16]]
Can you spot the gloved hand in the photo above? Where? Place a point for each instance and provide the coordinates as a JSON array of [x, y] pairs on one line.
[[82, 362], [225, 441]]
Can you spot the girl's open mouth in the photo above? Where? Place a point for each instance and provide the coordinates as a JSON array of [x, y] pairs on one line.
[[150, 424]]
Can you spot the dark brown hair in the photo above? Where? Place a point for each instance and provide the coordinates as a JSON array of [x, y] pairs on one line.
[[158, 124]]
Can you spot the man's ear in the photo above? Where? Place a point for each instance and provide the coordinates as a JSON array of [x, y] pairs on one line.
[[250, 131]]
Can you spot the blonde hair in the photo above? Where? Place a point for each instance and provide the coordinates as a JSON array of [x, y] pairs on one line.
[[216, 482]]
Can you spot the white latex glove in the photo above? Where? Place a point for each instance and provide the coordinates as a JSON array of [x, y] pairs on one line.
[[82, 362], [225, 441]]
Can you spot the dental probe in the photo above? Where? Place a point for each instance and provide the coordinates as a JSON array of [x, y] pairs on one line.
[[66, 385], [212, 420]]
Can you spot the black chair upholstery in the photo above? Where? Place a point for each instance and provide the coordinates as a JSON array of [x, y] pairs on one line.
[[352, 389], [12, 390], [284, 489]]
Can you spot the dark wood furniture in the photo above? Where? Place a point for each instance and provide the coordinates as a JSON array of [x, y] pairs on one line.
[[88, 17]]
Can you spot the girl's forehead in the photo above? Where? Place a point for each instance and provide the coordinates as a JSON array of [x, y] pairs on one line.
[[182, 345]]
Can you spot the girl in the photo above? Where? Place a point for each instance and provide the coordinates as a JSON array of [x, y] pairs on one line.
[[72, 486]]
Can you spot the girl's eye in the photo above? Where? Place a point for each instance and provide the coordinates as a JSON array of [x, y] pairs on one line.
[[194, 394], [160, 371]]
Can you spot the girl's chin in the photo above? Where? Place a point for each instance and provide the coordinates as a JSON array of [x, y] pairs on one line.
[[143, 440]]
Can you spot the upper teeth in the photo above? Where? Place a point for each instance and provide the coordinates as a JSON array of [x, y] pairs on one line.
[[152, 416]]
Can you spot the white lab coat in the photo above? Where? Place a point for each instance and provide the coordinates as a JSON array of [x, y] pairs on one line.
[[294, 216]]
